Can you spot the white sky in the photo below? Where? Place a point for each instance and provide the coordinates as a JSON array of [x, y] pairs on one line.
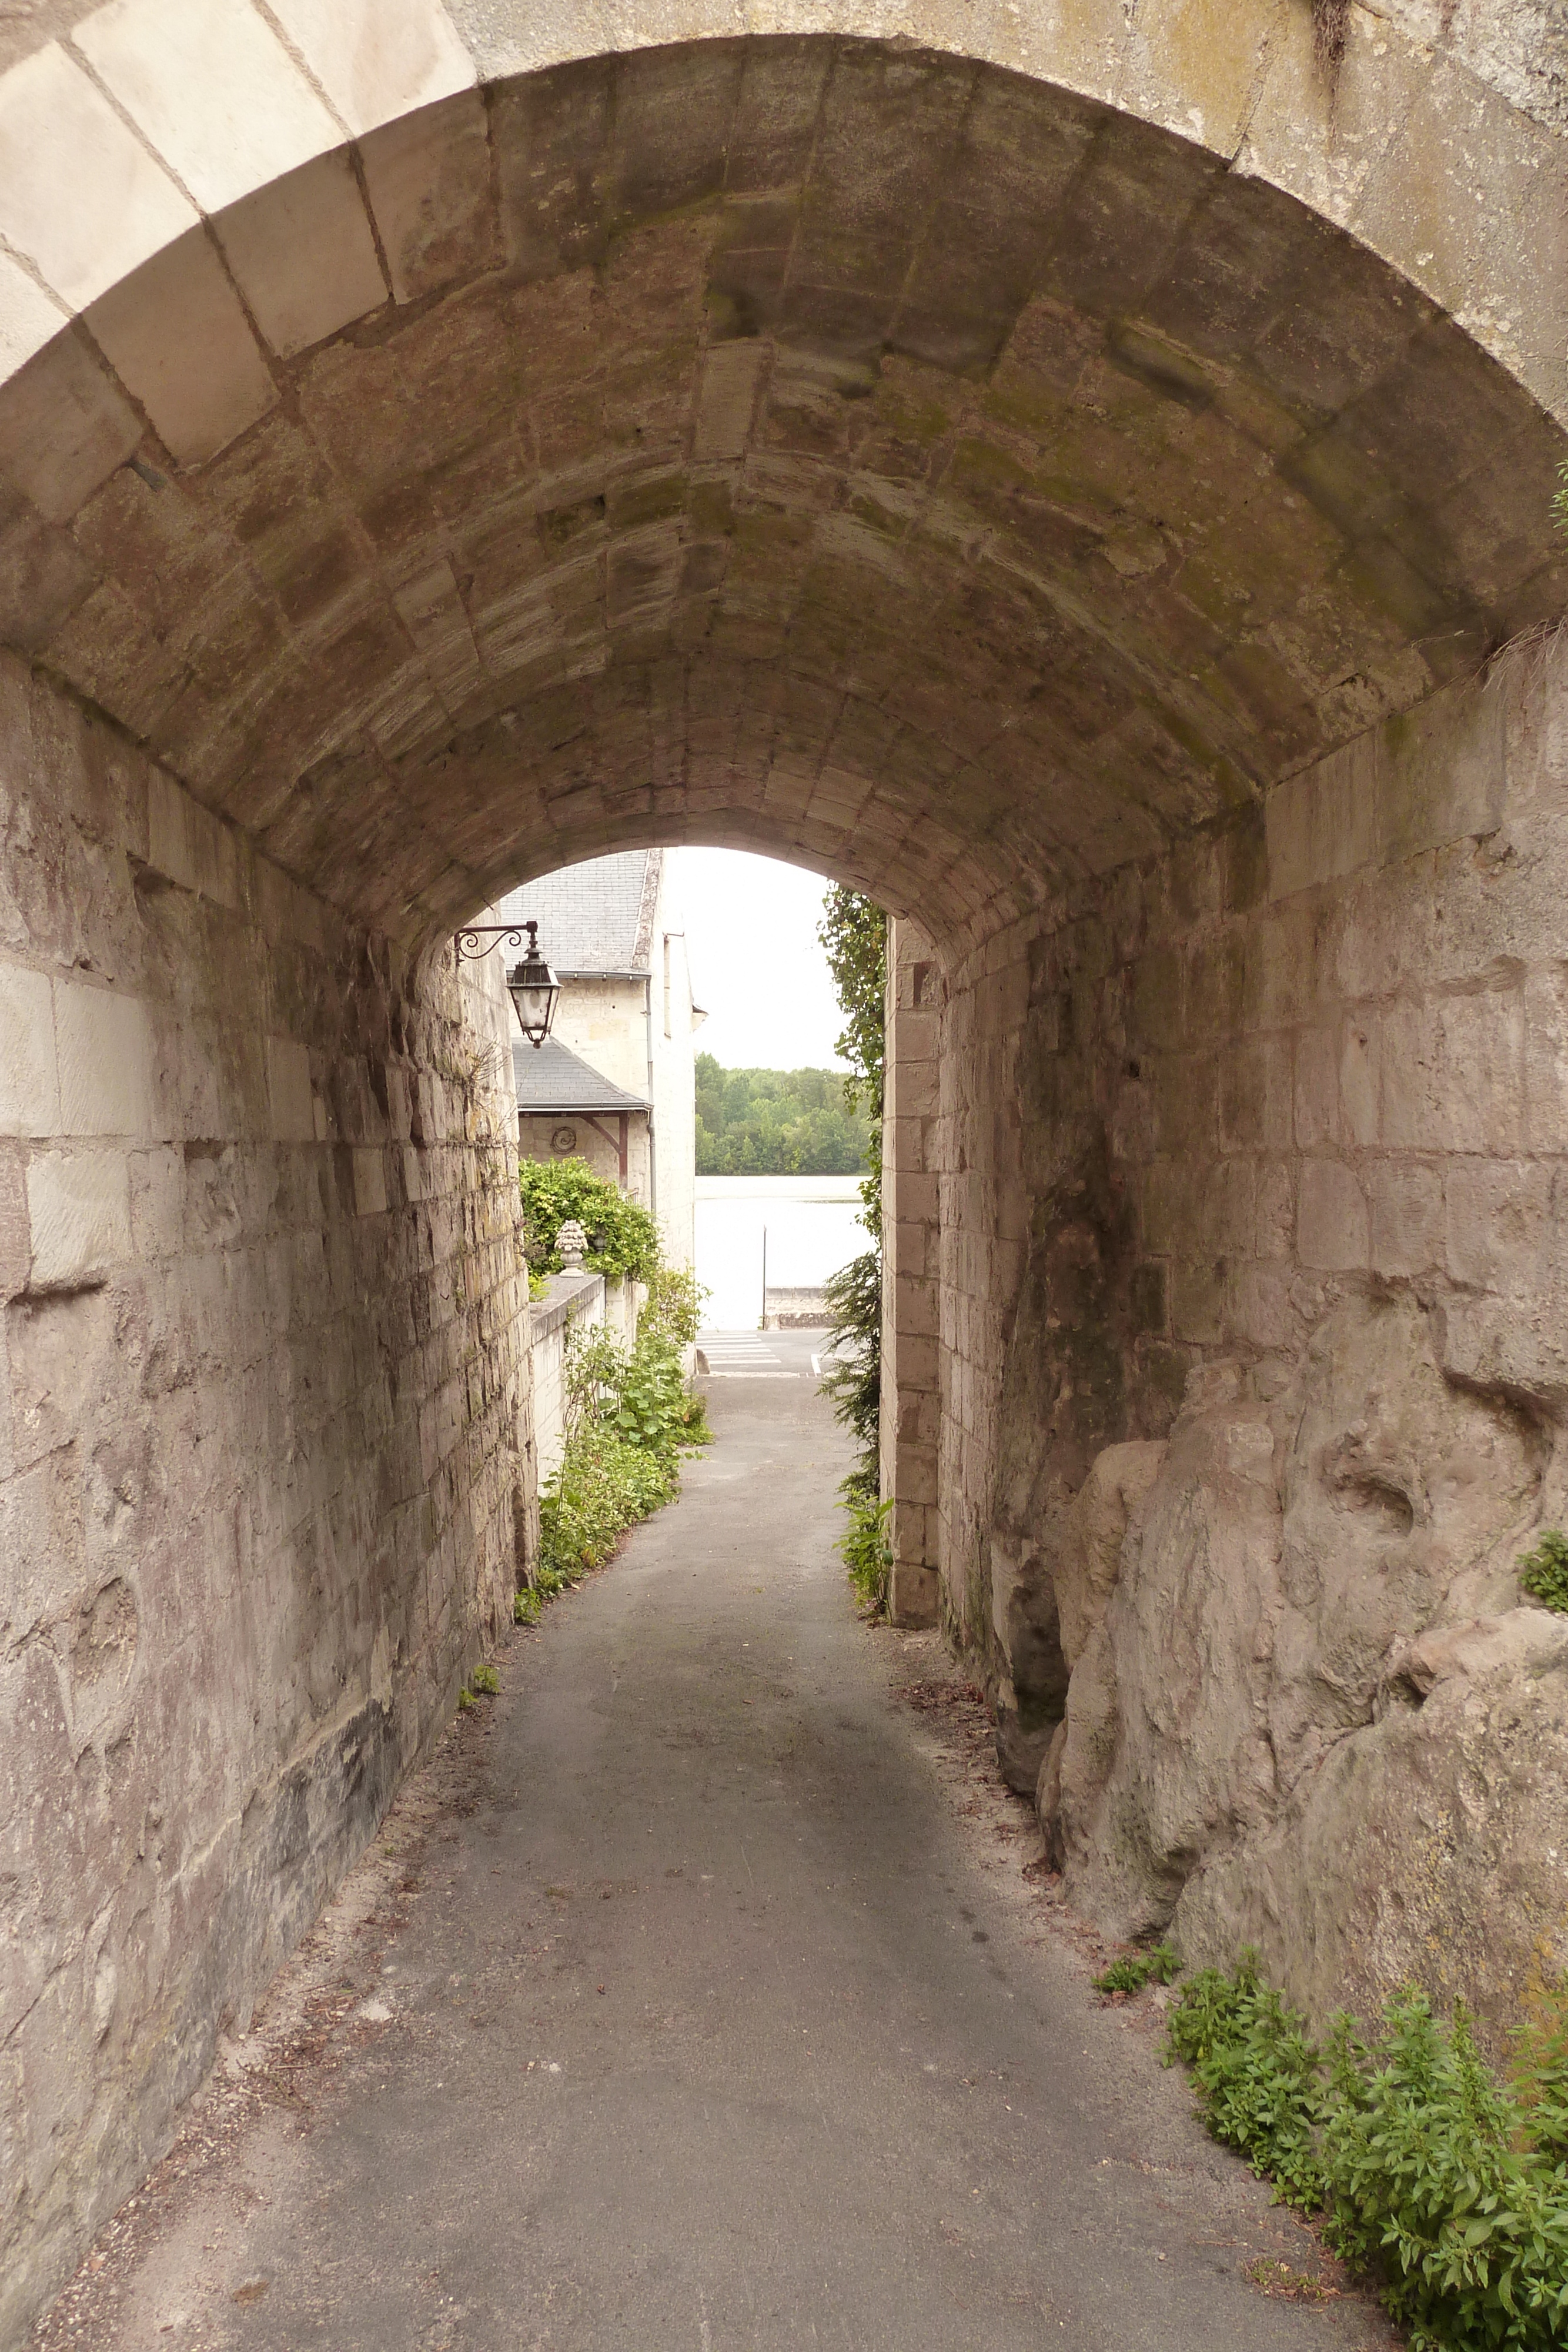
[[756, 964]]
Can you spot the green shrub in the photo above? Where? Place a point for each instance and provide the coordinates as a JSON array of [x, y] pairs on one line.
[[1432, 2178], [867, 1553], [526, 1606], [622, 1239], [1161, 1964], [484, 1682], [605, 1483], [1543, 1572], [630, 1417], [1540, 2071], [1257, 2076], [672, 1308], [1448, 2186]]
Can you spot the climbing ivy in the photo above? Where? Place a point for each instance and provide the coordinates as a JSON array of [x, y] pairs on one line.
[[853, 933]]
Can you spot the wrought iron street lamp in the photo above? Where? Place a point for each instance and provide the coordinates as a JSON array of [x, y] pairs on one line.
[[530, 984]]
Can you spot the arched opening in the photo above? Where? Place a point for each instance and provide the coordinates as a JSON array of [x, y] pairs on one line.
[[1054, 524]]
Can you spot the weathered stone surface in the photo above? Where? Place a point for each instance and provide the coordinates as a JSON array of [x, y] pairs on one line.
[[1430, 1844], [1300, 1573], [1132, 1255], [78, 1214], [265, 1442]]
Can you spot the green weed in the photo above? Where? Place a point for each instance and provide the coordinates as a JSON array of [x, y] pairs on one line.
[[866, 1551], [1257, 2076], [1543, 1572], [484, 1682], [526, 1607], [1161, 1964], [1277, 2278], [1445, 2184]]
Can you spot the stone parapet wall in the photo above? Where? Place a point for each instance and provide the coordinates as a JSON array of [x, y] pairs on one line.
[[1218, 1119], [571, 1303], [263, 1432], [802, 1307]]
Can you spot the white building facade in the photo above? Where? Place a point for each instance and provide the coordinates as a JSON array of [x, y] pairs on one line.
[[616, 1084]]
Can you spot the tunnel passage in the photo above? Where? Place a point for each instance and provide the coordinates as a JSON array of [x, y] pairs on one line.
[[959, 484]]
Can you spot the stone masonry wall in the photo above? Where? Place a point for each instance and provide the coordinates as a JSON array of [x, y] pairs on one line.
[[911, 1407], [263, 1432], [571, 1303], [1208, 1132], [1324, 1044]]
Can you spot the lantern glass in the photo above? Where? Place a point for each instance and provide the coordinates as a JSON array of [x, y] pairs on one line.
[[533, 988]]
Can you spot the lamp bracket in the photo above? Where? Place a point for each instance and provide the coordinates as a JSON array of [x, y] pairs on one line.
[[467, 941]]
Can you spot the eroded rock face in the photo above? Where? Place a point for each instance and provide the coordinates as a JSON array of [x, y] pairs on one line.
[[1306, 1709], [1431, 1843], [1056, 1399]]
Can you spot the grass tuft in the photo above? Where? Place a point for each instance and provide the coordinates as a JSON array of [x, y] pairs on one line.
[[1160, 1964]]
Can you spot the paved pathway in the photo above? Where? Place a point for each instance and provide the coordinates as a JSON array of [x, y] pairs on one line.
[[706, 2027]]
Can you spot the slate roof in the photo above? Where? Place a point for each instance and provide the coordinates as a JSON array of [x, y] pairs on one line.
[[551, 1078], [593, 918]]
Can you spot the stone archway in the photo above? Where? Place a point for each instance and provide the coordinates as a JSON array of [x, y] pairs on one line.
[[989, 448], [1027, 475]]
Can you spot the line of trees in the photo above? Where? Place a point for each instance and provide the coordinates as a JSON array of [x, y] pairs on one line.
[[777, 1123]]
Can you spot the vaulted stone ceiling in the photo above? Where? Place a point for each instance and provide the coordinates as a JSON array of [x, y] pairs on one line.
[[810, 445]]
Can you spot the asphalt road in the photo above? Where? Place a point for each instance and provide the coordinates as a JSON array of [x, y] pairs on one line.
[[704, 2022]]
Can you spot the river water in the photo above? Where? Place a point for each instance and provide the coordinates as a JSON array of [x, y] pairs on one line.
[[812, 1227]]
